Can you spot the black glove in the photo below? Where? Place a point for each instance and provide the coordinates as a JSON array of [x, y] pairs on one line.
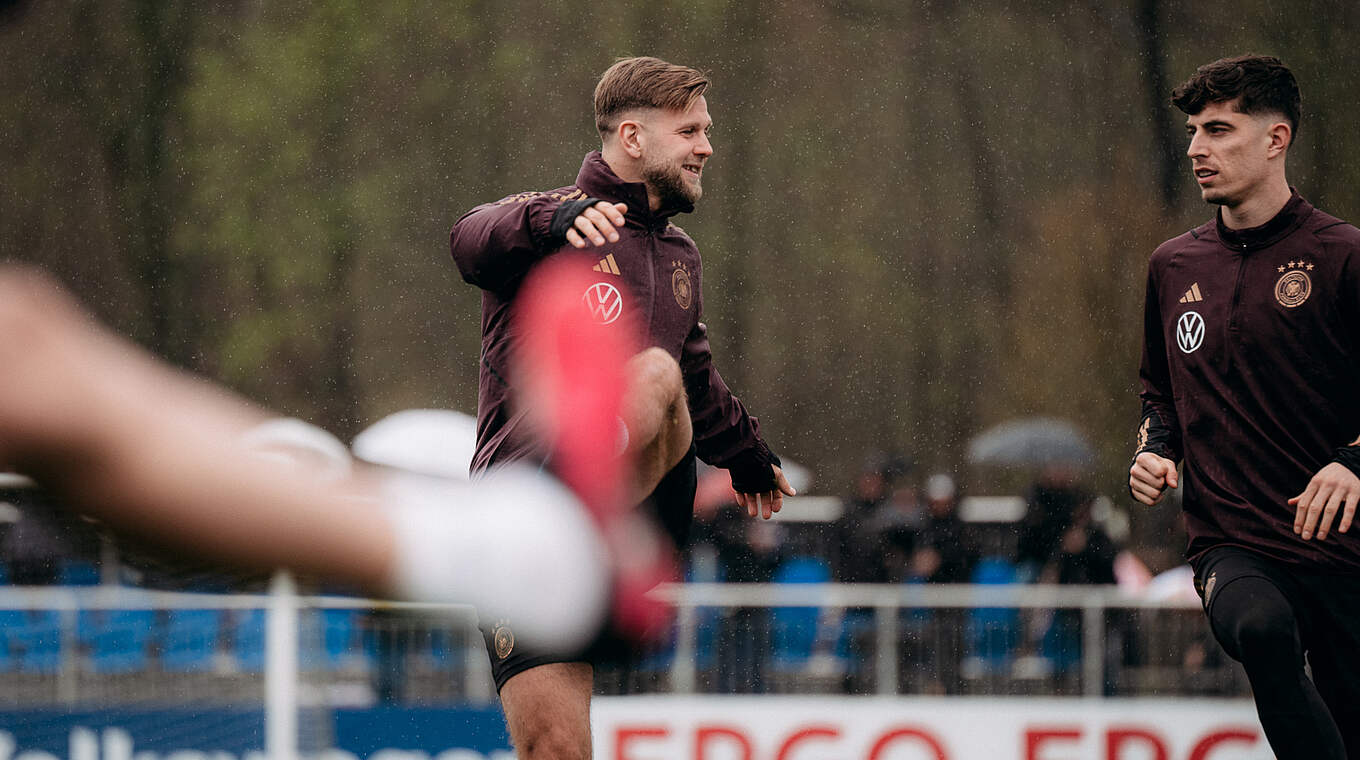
[[564, 218], [751, 472]]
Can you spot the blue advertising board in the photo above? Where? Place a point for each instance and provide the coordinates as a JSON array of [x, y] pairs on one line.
[[384, 733]]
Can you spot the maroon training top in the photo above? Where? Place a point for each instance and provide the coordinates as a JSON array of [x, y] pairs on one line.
[[1251, 371], [653, 270]]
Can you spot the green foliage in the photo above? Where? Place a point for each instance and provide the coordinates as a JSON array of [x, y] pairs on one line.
[[921, 218]]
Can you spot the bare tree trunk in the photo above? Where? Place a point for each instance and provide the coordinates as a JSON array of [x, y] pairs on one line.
[[336, 388], [1154, 77], [741, 67], [134, 118]]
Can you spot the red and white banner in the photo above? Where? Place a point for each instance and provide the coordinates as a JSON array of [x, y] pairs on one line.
[[872, 728]]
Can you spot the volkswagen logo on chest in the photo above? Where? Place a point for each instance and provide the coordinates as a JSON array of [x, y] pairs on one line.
[[1190, 332], [604, 302]]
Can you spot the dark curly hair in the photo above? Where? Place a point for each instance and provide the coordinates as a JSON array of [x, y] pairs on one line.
[[1260, 83]]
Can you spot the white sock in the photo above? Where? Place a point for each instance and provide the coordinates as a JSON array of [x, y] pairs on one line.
[[516, 545]]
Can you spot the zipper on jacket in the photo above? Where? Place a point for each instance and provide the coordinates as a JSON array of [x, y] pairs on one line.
[[651, 275], [1237, 291]]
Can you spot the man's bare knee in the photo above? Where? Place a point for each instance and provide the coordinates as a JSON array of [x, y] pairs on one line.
[[555, 742], [659, 374], [658, 413]]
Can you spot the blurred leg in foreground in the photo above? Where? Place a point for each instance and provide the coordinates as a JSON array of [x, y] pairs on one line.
[[159, 457]]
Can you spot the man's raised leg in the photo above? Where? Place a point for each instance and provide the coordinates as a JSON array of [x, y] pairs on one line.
[[657, 420], [547, 703]]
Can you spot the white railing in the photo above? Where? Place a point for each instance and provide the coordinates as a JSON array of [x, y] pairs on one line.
[[885, 601], [888, 599]]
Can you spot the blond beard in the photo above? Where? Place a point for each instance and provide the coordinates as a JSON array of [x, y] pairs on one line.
[[670, 186]]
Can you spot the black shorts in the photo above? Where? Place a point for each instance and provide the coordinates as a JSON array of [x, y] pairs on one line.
[[672, 505], [1220, 566]]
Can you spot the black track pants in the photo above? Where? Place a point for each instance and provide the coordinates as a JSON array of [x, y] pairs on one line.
[[1273, 619]]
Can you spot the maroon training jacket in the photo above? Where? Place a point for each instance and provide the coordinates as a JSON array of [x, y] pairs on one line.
[[654, 268], [1251, 371]]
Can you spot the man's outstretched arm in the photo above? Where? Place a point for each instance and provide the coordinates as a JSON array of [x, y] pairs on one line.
[[495, 244]]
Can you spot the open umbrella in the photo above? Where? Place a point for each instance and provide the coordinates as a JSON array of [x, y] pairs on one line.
[[1030, 442]]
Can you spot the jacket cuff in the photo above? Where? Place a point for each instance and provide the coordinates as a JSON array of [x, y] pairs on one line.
[[1156, 436], [1160, 450], [751, 471], [1349, 456]]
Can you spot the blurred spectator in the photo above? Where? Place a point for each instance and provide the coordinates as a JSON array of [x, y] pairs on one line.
[[1085, 554], [943, 553], [726, 544], [1052, 504], [33, 550], [748, 550], [892, 535], [44, 538], [861, 532]]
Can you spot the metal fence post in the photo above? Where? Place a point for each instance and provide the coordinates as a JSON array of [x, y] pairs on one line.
[[281, 669], [68, 673], [684, 669], [1093, 645], [885, 614]]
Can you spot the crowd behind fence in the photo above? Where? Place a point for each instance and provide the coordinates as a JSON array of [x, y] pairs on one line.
[[79, 623], [116, 645]]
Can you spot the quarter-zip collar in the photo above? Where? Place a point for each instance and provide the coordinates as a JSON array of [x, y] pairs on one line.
[[1295, 211], [600, 181]]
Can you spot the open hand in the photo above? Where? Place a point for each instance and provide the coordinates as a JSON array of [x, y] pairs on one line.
[[1334, 488]]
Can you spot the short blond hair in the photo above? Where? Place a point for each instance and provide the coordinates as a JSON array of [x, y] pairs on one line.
[[645, 82]]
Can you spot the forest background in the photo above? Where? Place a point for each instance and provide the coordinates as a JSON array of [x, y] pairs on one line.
[[921, 219]]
